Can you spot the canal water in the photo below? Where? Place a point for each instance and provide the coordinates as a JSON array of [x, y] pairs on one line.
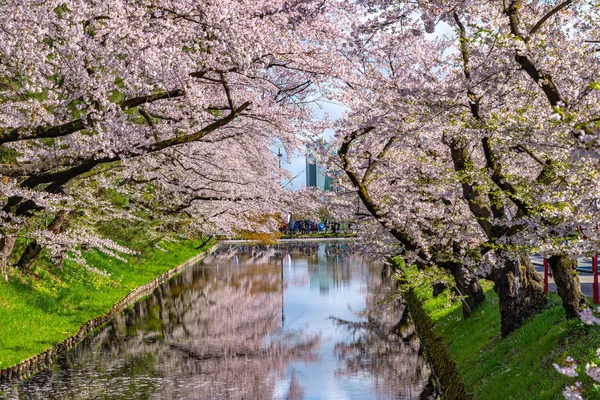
[[299, 320]]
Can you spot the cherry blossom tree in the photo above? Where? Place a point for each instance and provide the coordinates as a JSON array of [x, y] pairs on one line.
[[397, 173], [492, 111], [168, 92]]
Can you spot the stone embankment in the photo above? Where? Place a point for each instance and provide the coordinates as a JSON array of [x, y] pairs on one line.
[[434, 345], [33, 364]]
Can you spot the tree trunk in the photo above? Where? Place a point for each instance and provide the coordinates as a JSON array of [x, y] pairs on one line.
[[467, 285], [7, 244], [567, 284], [29, 256], [33, 249], [521, 292]]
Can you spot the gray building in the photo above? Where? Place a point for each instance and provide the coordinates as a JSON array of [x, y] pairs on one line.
[[316, 176]]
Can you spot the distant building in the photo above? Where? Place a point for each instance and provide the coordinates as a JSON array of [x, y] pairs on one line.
[[316, 176]]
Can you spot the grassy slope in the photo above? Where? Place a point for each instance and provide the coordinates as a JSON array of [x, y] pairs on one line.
[[37, 313], [519, 366]]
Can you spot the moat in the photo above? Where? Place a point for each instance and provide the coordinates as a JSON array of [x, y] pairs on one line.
[[297, 320]]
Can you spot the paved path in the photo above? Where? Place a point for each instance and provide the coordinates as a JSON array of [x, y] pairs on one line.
[[584, 266]]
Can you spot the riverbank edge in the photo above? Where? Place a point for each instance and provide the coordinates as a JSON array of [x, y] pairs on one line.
[[32, 364], [435, 348], [279, 241]]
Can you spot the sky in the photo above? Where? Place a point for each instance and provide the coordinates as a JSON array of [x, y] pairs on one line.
[[297, 165]]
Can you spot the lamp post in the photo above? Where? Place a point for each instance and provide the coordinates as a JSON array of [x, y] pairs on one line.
[[279, 155]]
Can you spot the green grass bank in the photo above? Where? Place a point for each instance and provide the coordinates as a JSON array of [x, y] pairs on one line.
[[41, 310], [518, 366]]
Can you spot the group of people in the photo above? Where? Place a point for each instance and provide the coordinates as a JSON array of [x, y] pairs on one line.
[[307, 226]]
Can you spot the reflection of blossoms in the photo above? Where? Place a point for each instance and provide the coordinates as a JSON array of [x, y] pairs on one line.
[[296, 391], [384, 345], [210, 333]]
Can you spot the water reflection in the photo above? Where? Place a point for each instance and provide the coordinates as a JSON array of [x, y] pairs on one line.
[[251, 322], [384, 346]]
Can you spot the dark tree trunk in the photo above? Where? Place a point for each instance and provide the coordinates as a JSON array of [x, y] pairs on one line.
[[564, 271], [467, 285], [29, 256], [521, 292], [33, 249]]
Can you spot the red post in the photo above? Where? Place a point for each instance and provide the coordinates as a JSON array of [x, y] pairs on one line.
[[546, 266], [595, 271]]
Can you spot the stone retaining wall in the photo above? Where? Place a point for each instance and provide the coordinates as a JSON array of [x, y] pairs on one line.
[[434, 345], [33, 364], [436, 352]]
